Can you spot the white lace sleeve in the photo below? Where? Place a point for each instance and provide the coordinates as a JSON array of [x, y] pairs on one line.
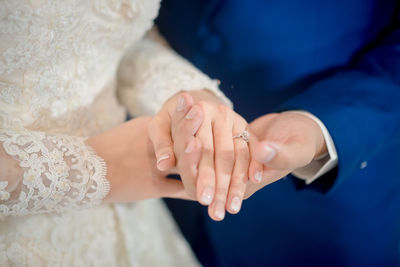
[[151, 72], [44, 173]]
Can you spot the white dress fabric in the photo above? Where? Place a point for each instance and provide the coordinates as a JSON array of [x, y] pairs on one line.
[[62, 65]]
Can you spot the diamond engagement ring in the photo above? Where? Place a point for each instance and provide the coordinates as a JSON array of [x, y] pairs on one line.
[[245, 136]]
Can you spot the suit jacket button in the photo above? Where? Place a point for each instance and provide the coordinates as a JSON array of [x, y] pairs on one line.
[[363, 165]]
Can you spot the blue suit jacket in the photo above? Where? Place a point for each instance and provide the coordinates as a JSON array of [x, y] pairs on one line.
[[338, 59]]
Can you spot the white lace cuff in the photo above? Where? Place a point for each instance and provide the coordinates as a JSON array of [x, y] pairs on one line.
[[45, 173]]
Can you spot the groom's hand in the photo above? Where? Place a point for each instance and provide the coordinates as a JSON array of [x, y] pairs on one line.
[[288, 141]]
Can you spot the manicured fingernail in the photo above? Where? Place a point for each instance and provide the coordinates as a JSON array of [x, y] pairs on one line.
[[219, 211], [192, 114], [190, 146], [258, 176], [235, 204], [207, 195], [269, 153], [162, 157], [181, 104]]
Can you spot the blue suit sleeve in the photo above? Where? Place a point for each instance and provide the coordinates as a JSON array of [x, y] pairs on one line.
[[360, 105]]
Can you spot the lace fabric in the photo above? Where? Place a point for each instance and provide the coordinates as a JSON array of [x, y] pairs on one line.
[[56, 57], [58, 61], [59, 173], [158, 73]]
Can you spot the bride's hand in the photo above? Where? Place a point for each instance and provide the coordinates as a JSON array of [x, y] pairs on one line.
[[222, 172], [131, 162]]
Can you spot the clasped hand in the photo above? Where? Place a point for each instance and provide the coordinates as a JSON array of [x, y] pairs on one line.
[[193, 134]]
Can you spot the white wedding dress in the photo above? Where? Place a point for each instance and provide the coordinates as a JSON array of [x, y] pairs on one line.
[[62, 65]]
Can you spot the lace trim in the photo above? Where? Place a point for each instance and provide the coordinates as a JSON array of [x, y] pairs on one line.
[[151, 66], [104, 184], [59, 173]]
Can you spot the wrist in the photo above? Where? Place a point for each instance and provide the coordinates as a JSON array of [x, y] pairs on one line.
[[126, 151], [318, 137], [320, 144]]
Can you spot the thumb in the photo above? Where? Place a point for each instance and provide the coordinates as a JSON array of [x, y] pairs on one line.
[[159, 131], [282, 156]]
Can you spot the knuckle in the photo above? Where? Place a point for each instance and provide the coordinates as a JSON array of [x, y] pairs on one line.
[[237, 184], [226, 156], [240, 120], [183, 127], [208, 150], [206, 175], [297, 138], [183, 130], [225, 114], [221, 192], [243, 154], [203, 103], [239, 178], [223, 109]]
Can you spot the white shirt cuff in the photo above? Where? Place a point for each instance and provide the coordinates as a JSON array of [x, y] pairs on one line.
[[323, 164]]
